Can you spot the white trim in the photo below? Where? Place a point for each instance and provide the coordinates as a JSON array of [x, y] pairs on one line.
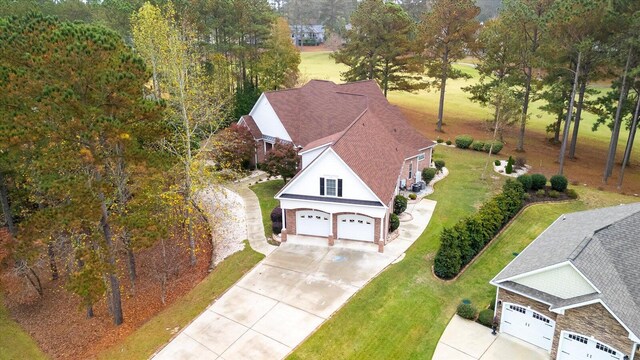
[[495, 303], [325, 202], [537, 271], [256, 104], [314, 148], [525, 249], [634, 349], [324, 153], [326, 187]]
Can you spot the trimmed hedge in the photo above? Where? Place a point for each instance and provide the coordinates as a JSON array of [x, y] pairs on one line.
[[525, 180], [413, 196], [462, 242], [509, 168], [496, 163], [497, 147], [486, 317], [478, 146], [428, 174], [399, 204], [538, 181], [467, 311], [463, 141], [394, 222], [572, 194], [439, 164], [276, 214], [559, 183], [276, 227]]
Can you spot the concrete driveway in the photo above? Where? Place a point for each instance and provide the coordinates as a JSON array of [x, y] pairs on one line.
[[279, 303], [468, 340]]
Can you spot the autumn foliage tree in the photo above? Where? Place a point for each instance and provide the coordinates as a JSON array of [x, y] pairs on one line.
[[282, 160], [233, 147]]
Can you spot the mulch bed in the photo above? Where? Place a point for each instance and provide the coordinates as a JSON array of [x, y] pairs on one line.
[[534, 197], [58, 322]]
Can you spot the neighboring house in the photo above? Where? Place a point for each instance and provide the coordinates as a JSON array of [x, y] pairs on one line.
[[356, 151], [307, 34], [575, 290]]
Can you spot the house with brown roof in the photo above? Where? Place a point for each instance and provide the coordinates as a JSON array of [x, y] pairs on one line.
[[575, 290], [356, 151]]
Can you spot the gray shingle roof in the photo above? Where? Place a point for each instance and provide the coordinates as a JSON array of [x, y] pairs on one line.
[[604, 245]]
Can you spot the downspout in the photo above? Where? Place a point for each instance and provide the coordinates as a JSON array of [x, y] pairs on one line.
[[634, 350]]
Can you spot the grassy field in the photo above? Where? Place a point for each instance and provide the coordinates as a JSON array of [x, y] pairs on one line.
[[155, 333], [464, 116], [265, 192], [402, 313], [14, 342]]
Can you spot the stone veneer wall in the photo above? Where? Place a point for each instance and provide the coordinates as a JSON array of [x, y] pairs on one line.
[[591, 320]]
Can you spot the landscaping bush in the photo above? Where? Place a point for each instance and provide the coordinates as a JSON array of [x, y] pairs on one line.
[[541, 193], [413, 196], [467, 311], [509, 168], [526, 182], [538, 181], [554, 194], [448, 142], [559, 183], [485, 317], [399, 204], [428, 174], [520, 162], [497, 146], [492, 304], [462, 242], [439, 165], [497, 163], [464, 141], [276, 227], [572, 194], [439, 141], [394, 222], [276, 214], [478, 146]]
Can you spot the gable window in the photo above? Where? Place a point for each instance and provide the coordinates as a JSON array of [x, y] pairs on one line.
[[420, 157], [410, 170], [331, 187]]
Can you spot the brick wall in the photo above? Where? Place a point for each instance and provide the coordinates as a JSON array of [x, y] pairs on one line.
[[593, 320], [290, 221]]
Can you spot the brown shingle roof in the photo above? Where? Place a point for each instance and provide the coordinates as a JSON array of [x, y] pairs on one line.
[[369, 134], [253, 127]]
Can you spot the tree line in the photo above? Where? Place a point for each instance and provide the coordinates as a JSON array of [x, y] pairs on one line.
[[548, 50], [107, 129]]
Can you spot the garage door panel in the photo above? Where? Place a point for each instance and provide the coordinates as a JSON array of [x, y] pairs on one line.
[[356, 227], [312, 222], [574, 346], [527, 325]]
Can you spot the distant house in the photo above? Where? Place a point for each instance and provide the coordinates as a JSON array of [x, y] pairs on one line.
[[307, 34], [356, 151], [575, 290]]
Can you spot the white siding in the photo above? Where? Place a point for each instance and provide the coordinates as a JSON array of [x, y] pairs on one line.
[[564, 282], [329, 165], [333, 208], [267, 119], [309, 156]]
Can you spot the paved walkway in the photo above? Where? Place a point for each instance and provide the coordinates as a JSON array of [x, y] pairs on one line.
[[286, 297], [468, 340]]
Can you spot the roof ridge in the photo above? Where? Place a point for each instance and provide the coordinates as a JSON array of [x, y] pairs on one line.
[[346, 130], [583, 244]]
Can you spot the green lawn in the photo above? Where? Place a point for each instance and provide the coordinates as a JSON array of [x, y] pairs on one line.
[[402, 313], [265, 192], [15, 343], [156, 332]]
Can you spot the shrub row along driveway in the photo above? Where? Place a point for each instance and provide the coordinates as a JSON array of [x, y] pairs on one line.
[[286, 297]]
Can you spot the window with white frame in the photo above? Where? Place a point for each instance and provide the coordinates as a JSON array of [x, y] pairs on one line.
[[332, 187], [421, 157], [410, 170]]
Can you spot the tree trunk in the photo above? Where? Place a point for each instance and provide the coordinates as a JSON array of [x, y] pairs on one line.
[[131, 260], [557, 126], [576, 125], [89, 311], [567, 124], [630, 140], [116, 301], [188, 160], [52, 261], [613, 144], [525, 109], [443, 86], [6, 208]]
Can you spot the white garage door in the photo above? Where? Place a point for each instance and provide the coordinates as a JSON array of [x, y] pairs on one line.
[[528, 325], [577, 347], [355, 227], [312, 222]]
